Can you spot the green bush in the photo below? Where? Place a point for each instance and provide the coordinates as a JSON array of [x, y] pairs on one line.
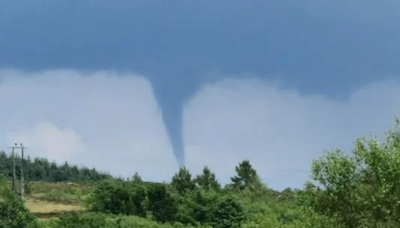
[[160, 203], [198, 207], [229, 214], [360, 189], [117, 197], [13, 213], [100, 220], [137, 222], [132, 198], [73, 220]]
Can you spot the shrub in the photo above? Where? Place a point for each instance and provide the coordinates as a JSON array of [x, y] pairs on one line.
[[74, 220], [13, 213], [198, 206], [229, 214]]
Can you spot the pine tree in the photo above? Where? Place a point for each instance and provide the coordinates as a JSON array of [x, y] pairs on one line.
[[229, 214], [246, 178], [182, 181], [207, 180], [137, 179]]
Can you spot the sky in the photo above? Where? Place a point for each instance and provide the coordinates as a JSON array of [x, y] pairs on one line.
[[147, 86]]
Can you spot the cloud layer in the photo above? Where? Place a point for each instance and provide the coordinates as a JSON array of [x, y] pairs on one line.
[[105, 120], [280, 130]]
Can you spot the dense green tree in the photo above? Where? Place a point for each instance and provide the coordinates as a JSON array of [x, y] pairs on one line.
[[246, 178], [13, 213], [207, 180], [287, 195], [160, 203], [74, 220], [118, 197], [182, 181], [133, 198], [229, 214], [136, 178], [198, 206], [4, 163], [40, 169], [361, 189]]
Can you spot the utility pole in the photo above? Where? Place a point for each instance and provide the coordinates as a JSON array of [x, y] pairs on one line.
[[22, 169], [13, 158], [22, 172]]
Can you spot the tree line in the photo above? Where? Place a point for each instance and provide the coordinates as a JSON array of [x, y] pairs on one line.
[[198, 200], [41, 169]]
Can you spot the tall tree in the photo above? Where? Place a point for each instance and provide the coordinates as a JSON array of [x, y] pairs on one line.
[[137, 178], [3, 163], [182, 181], [207, 180], [246, 178], [362, 188]]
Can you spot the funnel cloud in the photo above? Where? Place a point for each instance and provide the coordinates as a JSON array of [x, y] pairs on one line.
[[171, 98]]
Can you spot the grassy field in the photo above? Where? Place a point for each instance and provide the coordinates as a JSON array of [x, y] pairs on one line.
[[47, 200]]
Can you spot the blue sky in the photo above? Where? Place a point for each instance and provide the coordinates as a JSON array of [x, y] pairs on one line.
[[213, 81]]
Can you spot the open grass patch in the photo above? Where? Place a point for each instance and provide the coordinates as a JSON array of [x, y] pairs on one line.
[[67, 193]]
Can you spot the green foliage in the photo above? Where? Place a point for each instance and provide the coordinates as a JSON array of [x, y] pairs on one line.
[[182, 181], [287, 195], [73, 220], [246, 178], [40, 169], [198, 207], [207, 180], [252, 206], [229, 214], [117, 197], [137, 179], [13, 214], [98, 220], [362, 189], [162, 205], [3, 184], [133, 198]]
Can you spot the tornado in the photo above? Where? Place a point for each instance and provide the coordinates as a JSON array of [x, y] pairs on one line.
[[171, 96], [172, 118]]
